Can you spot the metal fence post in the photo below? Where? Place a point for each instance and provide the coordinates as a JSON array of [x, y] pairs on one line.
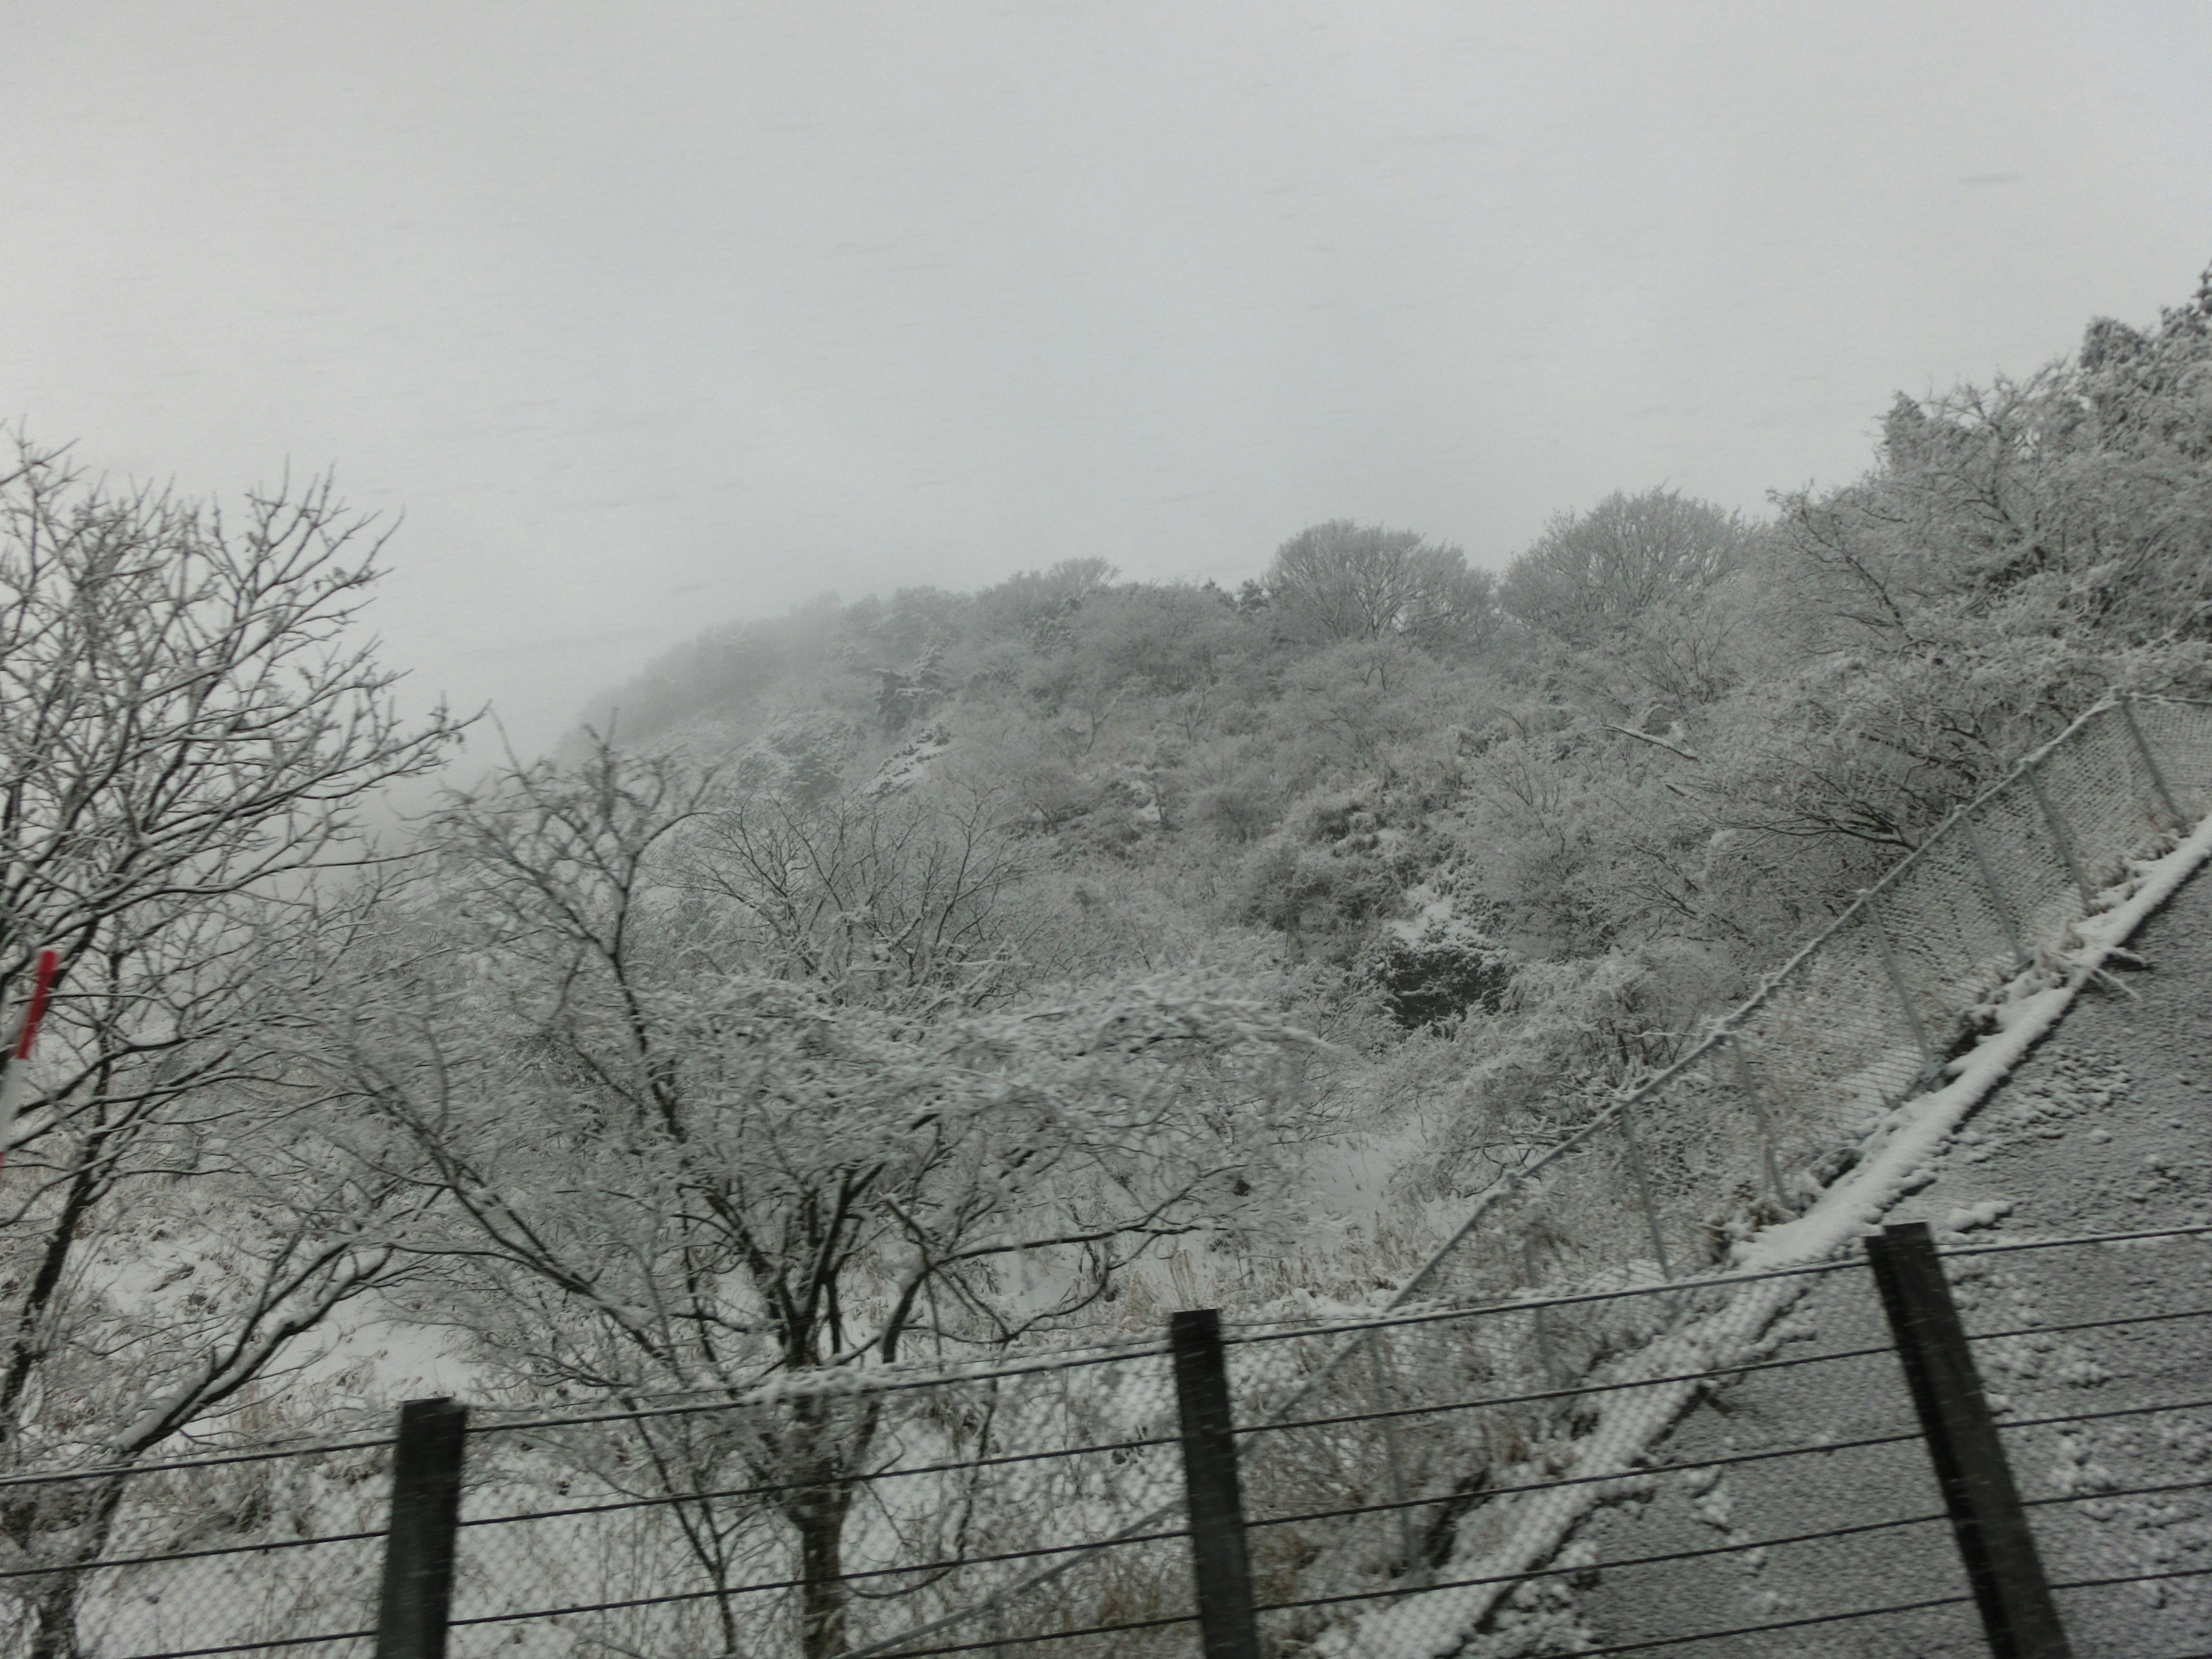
[[1218, 1559], [426, 1511], [1986, 1517], [1553, 1374], [1998, 902], [1399, 1493], [2058, 835], [1644, 1190], [1758, 1110], [2150, 762], [1903, 992]]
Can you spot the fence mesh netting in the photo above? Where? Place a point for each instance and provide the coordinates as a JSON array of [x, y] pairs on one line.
[[1038, 1507]]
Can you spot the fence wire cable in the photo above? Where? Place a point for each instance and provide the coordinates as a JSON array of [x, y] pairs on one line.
[[2100, 1416], [2087, 1325], [832, 1578], [852, 1384], [256, 1647], [2123, 1491], [125, 1470], [1647, 1472], [1403, 1592], [1033, 1636], [268, 1549], [1711, 1374], [865, 1478], [1273, 1331], [2071, 1239]]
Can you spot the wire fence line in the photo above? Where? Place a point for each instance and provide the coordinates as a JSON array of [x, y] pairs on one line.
[[1039, 1505], [1373, 1522]]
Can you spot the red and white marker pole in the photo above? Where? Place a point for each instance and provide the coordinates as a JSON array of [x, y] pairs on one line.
[[15, 1071]]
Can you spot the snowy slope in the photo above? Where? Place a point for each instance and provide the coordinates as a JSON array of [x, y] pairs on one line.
[[2104, 1127]]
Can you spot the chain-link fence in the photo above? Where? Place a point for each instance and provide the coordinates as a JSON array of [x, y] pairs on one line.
[[826, 1520], [1432, 1458], [1432, 1495], [1430, 1502], [234, 1551]]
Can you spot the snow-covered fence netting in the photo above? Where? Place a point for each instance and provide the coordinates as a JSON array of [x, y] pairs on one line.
[[824, 1515], [1431, 1496], [229, 1551]]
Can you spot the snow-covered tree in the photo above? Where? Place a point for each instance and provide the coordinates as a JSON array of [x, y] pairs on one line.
[[675, 1163], [186, 724], [1341, 581]]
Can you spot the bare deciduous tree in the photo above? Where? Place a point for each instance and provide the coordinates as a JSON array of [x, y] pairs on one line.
[[187, 723], [888, 896]]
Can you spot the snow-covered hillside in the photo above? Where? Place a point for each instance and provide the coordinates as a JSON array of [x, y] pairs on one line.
[[2103, 1128]]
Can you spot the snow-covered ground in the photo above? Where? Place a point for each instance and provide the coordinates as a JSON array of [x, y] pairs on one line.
[[2106, 1125]]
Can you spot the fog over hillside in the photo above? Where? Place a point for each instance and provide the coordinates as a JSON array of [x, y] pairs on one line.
[[1552, 819], [642, 320]]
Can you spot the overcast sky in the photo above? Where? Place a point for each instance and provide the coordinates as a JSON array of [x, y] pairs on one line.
[[654, 315]]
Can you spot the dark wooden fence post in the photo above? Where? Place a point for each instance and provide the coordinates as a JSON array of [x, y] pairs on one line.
[[418, 1549], [1223, 1571], [1986, 1517]]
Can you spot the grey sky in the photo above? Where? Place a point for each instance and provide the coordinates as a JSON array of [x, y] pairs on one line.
[[654, 315]]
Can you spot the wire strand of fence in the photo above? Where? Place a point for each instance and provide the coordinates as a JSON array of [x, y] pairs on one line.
[[897, 1644], [1646, 1472], [1539, 1395], [904, 1652], [2003, 1247], [2089, 1325], [2130, 1578], [832, 1383], [767, 1586], [2100, 1417], [1396, 1592], [112, 1471], [1748, 1630], [1400, 1592], [1276, 1331], [863, 1478], [257, 1647], [267, 1546], [1256, 1331], [999, 1557], [2096, 1495]]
